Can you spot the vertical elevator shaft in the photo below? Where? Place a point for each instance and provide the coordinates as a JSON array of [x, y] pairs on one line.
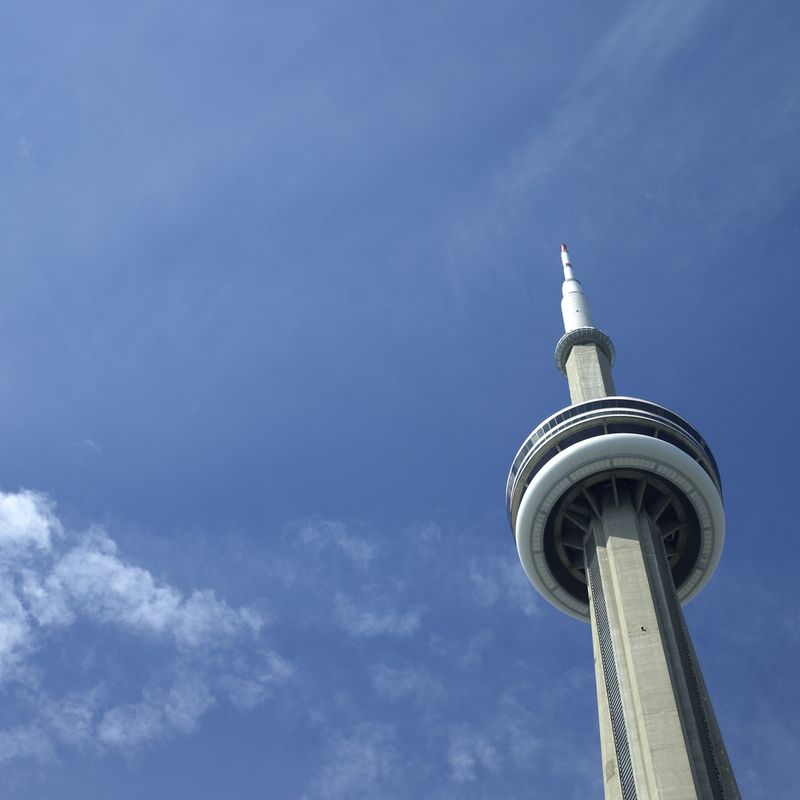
[[659, 737]]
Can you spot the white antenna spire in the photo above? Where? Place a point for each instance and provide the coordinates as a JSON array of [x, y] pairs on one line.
[[574, 305]]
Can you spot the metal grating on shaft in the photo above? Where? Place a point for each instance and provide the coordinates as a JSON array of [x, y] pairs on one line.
[[621, 746]]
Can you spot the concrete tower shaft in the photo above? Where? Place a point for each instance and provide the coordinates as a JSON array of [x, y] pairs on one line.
[[616, 508]]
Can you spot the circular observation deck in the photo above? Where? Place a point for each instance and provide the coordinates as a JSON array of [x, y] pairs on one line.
[[634, 448]]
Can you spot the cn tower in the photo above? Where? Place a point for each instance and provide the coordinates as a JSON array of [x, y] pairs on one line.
[[616, 508]]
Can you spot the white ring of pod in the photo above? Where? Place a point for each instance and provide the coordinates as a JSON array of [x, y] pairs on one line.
[[616, 451]]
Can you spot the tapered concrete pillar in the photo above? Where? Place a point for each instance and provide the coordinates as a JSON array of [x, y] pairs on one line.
[[588, 373], [658, 737]]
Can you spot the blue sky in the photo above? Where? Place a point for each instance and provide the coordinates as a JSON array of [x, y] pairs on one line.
[[280, 291]]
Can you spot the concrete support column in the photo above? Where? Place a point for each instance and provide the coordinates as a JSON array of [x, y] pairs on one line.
[[658, 734], [588, 373]]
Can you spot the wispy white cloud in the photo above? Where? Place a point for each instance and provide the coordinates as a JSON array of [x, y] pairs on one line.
[[27, 524], [85, 451], [318, 534], [510, 737], [157, 714], [370, 622], [417, 684], [25, 741], [90, 445], [16, 636], [51, 580], [597, 106], [467, 654], [621, 65], [130, 726], [502, 580], [24, 147], [360, 763], [702, 158], [488, 748], [70, 719], [468, 751], [93, 581], [62, 590]]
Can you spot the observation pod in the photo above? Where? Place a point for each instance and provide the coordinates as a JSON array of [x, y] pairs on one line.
[[627, 447], [616, 508]]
